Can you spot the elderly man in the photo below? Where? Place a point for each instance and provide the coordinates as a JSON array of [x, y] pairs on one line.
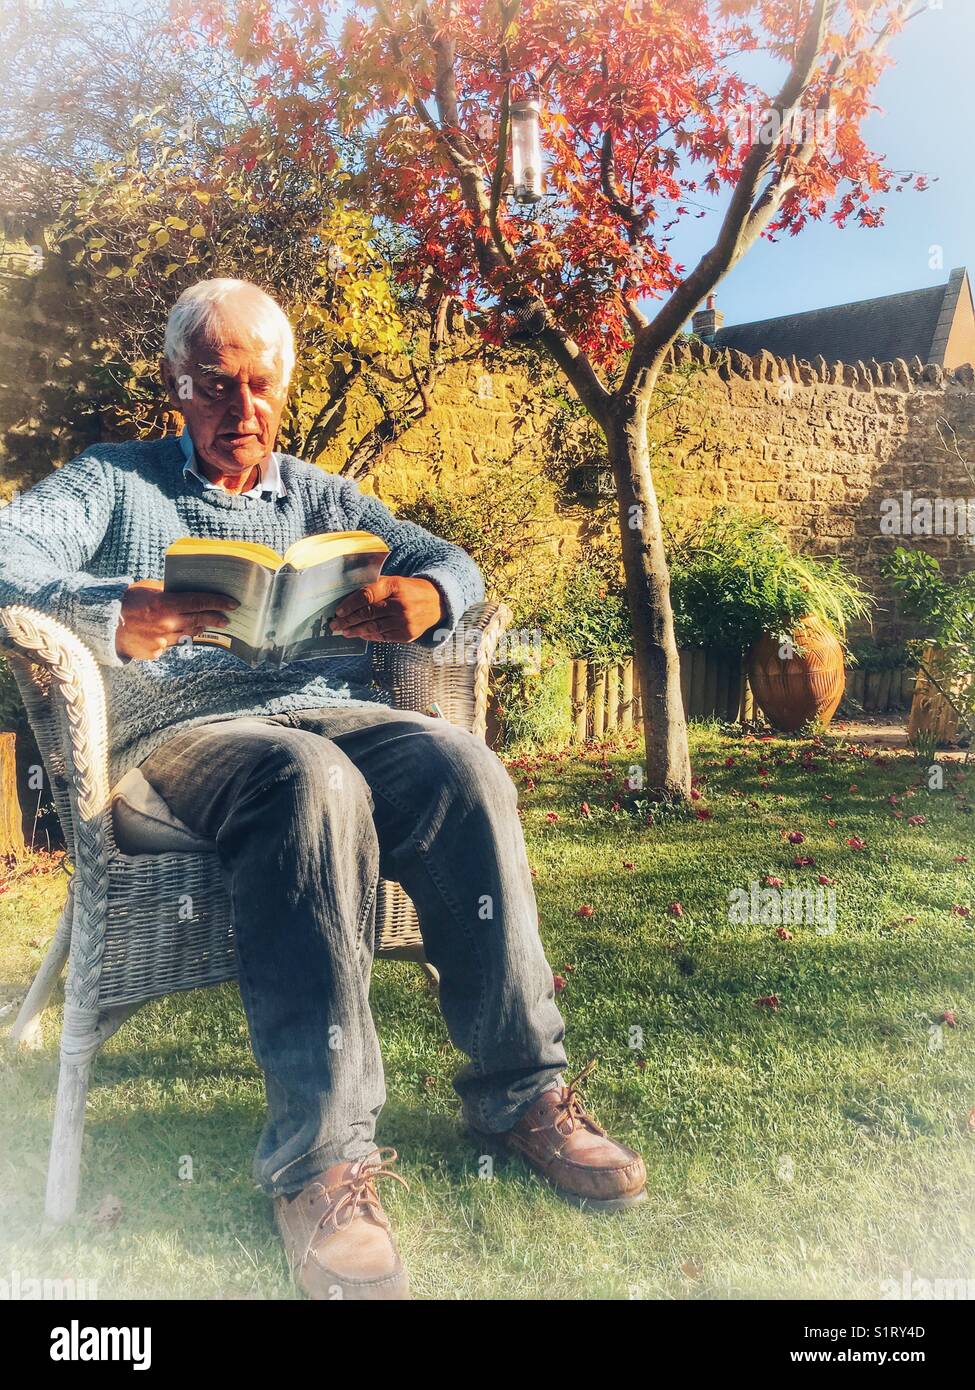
[[311, 788]]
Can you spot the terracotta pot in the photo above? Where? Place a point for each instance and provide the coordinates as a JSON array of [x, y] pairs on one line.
[[807, 685]]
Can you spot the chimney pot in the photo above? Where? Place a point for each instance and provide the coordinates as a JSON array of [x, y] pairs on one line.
[[708, 320]]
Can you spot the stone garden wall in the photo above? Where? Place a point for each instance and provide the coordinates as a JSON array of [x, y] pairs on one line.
[[829, 449], [826, 448]]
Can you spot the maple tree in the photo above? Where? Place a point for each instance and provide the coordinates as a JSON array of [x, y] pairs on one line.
[[644, 110]]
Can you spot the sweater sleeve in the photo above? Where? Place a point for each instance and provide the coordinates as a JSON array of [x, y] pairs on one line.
[[48, 538], [418, 554]]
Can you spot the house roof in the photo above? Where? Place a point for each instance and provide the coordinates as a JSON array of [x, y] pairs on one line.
[[895, 325]]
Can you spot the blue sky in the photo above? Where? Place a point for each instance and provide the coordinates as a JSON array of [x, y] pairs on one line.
[[926, 126]]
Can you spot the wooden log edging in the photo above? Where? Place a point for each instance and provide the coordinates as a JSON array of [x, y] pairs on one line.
[[606, 698], [11, 821], [627, 702], [580, 701], [713, 685], [882, 690], [597, 687]]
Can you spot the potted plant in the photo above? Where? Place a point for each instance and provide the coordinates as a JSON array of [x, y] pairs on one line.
[[736, 584], [944, 695]]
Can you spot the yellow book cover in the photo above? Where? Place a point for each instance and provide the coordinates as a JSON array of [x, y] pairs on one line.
[[286, 601]]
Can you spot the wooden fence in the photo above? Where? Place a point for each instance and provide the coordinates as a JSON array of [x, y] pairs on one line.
[[879, 691], [607, 698], [713, 686]]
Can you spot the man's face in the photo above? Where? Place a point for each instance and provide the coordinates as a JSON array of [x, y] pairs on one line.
[[231, 398]]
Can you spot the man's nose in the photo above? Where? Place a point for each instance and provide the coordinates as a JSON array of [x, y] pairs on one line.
[[244, 408]]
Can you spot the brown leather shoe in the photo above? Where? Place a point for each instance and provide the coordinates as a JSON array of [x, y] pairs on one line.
[[565, 1145], [337, 1235]]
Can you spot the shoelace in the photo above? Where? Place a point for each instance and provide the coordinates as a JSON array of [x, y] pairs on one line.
[[571, 1108], [359, 1191]]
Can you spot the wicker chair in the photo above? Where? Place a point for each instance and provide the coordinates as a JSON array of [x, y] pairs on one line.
[[138, 926]]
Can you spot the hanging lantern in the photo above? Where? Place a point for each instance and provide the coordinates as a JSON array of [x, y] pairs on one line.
[[526, 150]]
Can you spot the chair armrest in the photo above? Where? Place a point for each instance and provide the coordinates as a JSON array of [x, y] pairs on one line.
[[453, 676], [63, 691], [65, 705]]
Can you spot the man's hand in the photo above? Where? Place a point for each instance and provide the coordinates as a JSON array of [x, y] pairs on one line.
[[153, 620], [390, 610]]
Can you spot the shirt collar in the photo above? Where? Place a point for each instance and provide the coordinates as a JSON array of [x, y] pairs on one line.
[[269, 486]]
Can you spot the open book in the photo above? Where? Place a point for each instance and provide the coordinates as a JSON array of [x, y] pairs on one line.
[[286, 602]]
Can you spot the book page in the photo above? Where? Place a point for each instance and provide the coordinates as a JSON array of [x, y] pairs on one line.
[[240, 578], [307, 600], [314, 550]]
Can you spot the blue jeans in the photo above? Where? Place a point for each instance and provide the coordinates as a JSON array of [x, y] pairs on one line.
[[308, 810]]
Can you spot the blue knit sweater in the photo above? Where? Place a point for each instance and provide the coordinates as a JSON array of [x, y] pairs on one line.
[[72, 544]]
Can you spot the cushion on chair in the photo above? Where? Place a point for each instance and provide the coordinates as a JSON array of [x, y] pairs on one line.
[[144, 824]]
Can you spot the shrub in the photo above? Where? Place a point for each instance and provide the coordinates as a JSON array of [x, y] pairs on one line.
[[881, 654], [502, 519], [533, 700], [587, 614], [946, 610], [735, 578]]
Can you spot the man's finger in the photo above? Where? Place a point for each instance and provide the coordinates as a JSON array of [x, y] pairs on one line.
[[375, 632], [192, 602], [184, 623], [353, 606], [376, 614], [359, 630], [372, 594], [366, 612]]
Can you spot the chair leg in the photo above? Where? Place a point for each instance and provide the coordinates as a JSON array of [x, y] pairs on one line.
[[64, 1169], [86, 1036], [26, 1031]]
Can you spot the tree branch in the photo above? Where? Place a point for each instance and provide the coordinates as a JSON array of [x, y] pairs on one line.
[[492, 250], [504, 247], [398, 419], [750, 211], [332, 414], [612, 192], [721, 257]]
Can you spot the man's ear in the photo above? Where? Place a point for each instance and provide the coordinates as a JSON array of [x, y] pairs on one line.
[[170, 383]]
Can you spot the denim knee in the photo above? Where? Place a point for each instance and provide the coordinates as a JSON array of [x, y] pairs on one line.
[[306, 776], [471, 768]]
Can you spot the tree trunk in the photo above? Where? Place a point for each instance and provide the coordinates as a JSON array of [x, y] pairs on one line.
[[648, 596]]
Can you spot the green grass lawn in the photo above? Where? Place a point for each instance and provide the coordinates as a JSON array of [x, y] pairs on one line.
[[813, 1149]]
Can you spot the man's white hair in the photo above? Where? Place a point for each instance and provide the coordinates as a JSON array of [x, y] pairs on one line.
[[217, 312]]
